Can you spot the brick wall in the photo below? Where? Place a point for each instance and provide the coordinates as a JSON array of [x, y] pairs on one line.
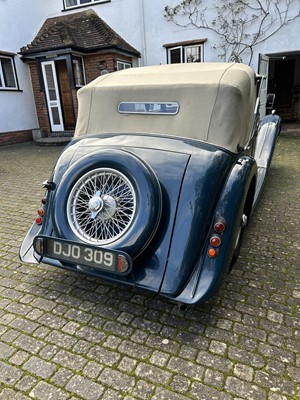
[[15, 137], [94, 64], [40, 100], [92, 70]]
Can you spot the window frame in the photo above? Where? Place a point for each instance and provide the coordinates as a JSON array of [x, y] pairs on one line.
[[76, 58], [13, 70], [126, 65], [183, 47], [175, 48], [200, 46], [87, 4]]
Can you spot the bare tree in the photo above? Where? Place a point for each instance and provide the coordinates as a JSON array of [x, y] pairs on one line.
[[240, 24]]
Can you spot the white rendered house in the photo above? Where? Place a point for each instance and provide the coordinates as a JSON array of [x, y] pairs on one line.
[[52, 48]]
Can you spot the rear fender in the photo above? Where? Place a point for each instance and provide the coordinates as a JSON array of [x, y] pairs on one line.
[[266, 140], [208, 272], [26, 252], [203, 183]]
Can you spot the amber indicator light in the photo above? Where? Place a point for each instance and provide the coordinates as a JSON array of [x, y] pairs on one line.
[[212, 253]]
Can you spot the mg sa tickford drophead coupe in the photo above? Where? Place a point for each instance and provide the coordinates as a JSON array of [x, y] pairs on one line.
[[160, 180]]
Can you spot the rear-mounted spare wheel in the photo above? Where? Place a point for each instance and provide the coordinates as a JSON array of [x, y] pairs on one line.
[[111, 199], [101, 206]]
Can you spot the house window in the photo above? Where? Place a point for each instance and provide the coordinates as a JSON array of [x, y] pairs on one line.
[[185, 52], [8, 78], [80, 3], [193, 53], [123, 65], [78, 70], [175, 55]]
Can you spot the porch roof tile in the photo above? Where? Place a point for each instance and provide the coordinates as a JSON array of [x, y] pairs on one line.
[[83, 31]]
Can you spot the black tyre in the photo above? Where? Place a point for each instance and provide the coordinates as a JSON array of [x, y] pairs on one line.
[[238, 240], [242, 222]]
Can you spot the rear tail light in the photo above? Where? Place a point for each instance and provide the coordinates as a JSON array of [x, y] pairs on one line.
[[39, 220], [123, 264], [212, 253], [219, 226], [41, 211], [215, 241], [38, 245]]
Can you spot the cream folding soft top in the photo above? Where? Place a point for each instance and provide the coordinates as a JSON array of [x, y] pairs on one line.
[[216, 102]]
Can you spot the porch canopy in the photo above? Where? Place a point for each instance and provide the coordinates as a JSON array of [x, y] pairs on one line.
[[83, 32], [215, 102]]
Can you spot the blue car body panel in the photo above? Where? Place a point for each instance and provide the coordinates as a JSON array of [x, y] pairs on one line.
[[183, 187], [199, 182]]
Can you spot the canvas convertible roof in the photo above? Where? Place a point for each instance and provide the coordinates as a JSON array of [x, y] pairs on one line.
[[216, 102]]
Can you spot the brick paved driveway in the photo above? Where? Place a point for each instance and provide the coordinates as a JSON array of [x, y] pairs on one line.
[[65, 336]]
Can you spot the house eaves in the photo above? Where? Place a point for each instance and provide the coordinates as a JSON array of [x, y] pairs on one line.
[[84, 32]]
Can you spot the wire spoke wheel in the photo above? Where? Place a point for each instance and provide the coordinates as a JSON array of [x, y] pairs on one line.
[[109, 198], [101, 206]]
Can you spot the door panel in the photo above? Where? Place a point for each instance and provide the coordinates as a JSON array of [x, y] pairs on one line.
[[66, 94], [263, 70], [52, 96]]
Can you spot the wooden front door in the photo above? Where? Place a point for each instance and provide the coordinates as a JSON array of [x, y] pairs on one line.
[[65, 94]]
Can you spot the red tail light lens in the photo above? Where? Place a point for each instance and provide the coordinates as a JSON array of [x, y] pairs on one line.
[[215, 241], [219, 226], [123, 264], [39, 220]]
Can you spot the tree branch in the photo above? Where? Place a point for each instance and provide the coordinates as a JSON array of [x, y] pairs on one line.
[[234, 21]]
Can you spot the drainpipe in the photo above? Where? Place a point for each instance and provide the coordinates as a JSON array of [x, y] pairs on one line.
[[144, 50]]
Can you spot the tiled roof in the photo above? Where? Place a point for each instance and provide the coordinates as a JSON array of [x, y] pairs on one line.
[[84, 31]]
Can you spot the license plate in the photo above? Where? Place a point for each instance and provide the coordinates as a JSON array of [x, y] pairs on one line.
[[83, 255]]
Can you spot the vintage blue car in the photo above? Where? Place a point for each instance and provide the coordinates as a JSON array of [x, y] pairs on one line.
[[161, 178]]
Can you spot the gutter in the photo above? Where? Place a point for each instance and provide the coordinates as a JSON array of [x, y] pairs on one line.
[[144, 50]]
